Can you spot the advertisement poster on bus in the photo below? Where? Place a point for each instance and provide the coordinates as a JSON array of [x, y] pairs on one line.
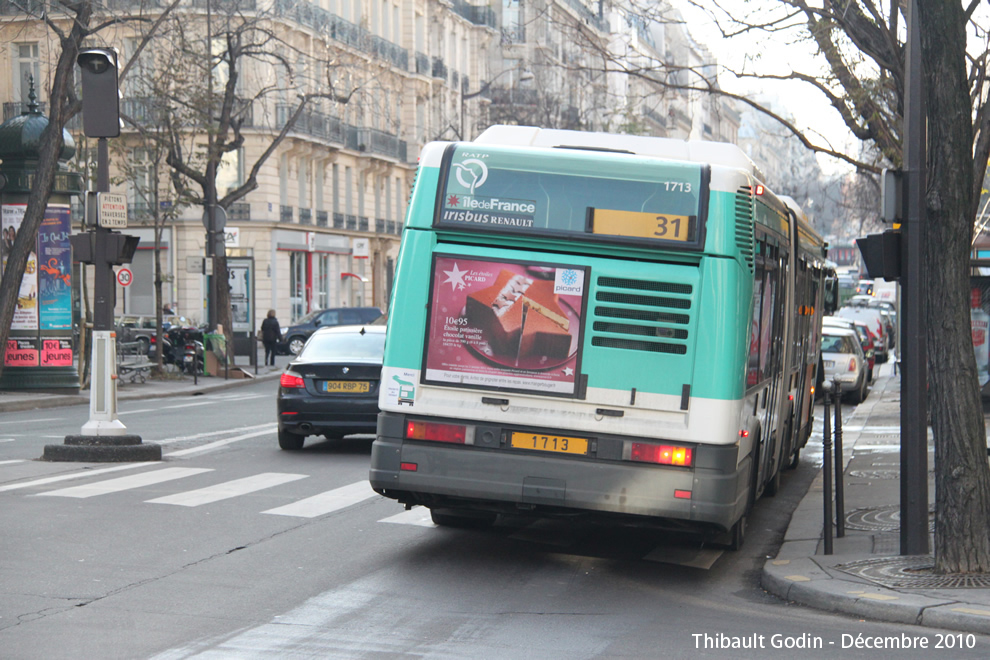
[[979, 313], [55, 270], [505, 325], [26, 311]]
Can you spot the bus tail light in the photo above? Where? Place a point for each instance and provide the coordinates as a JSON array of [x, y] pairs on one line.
[[409, 467], [661, 454], [435, 432]]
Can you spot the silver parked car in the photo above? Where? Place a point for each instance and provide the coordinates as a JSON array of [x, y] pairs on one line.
[[844, 362]]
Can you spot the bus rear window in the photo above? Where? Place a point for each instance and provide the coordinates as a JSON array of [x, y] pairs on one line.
[[585, 194]]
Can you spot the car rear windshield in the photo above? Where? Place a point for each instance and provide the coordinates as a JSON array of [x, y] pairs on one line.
[[344, 346], [837, 344]]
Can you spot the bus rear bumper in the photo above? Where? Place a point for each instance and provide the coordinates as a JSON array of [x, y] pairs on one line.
[[714, 492]]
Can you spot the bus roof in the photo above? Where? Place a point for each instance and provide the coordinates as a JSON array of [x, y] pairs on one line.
[[699, 151]]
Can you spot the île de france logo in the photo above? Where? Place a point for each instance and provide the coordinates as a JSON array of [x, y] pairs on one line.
[[471, 173]]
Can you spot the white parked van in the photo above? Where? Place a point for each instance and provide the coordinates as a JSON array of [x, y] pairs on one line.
[[873, 317]]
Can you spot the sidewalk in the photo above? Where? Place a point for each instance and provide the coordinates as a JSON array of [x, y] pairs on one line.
[[866, 576], [152, 388]]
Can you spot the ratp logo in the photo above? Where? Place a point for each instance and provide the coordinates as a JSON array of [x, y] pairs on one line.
[[471, 173]]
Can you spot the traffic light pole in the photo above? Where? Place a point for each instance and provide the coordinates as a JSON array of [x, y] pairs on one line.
[[104, 437], [914, 365]]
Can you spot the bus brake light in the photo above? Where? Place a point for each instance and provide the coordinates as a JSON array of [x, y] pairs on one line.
[[661, 454], [452, 433]]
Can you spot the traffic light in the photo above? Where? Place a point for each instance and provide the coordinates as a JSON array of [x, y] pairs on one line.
[[101, 97], [882, 254], [113, 248]]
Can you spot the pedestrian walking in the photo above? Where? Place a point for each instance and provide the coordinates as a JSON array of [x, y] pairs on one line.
[[270, 336]]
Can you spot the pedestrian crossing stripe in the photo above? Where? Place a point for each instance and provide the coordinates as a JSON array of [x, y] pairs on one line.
[[125, 483], [228, 489], [419, 516], [328, 502]]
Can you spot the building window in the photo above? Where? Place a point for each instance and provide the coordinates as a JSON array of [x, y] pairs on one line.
[[26, 67], [323, 281], [297, 284]]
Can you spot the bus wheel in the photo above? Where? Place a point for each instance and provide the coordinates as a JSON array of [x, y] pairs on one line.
[[735, 537], [462, 518], [773, 486], [795, 459]]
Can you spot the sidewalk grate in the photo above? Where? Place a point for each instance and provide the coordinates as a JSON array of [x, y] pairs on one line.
[[911, 572], [880, 519]]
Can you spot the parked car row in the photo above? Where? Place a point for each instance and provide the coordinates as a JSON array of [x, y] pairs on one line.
[[295, 335]]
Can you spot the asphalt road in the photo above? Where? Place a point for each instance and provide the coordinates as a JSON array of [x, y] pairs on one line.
[[231, 548]]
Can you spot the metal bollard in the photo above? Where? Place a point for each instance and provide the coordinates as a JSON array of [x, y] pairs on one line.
[[840, 515], [827, 469]]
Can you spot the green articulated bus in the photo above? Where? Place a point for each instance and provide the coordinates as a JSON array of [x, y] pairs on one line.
[[606, 325]]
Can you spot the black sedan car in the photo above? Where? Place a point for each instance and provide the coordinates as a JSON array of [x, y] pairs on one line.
[[295, 335], [331, 388]]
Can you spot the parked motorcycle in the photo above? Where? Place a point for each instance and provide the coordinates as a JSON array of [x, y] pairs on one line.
[[182, 346]]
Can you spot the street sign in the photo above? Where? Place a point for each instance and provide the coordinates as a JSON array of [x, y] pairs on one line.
[[220, 218], [111, 210], [125, 277]]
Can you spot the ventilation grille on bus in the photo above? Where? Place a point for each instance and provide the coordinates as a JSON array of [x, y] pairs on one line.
[[744, 224], [638, 315]]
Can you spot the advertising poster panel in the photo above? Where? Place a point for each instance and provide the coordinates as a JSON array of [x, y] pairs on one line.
[[21, 353], [55, 270], [26, 312], [505, 325], [979, 313]]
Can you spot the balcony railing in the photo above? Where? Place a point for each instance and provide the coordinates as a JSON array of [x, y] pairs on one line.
[[335, 27], [439, 68], [21, 7], [284, 213], [13, 109], [511, 96], [513, 33], [478, 15], [313, 123], [423, 64]]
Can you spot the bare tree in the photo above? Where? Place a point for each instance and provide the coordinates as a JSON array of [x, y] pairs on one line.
[[861, 46], [860, 51], [228, 78]]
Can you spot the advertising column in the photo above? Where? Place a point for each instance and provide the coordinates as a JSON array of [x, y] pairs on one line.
[[41, 328]]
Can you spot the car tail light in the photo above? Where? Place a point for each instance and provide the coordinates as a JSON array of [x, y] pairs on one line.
[[852, 364], [291, 381], [436, 432], [661, 454]]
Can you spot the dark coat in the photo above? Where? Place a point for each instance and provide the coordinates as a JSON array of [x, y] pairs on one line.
[[270, 330]]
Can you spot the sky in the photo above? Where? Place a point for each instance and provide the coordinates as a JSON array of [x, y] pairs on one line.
[[809, 107]]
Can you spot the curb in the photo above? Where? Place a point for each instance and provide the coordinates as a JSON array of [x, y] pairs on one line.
[[39, 402]]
